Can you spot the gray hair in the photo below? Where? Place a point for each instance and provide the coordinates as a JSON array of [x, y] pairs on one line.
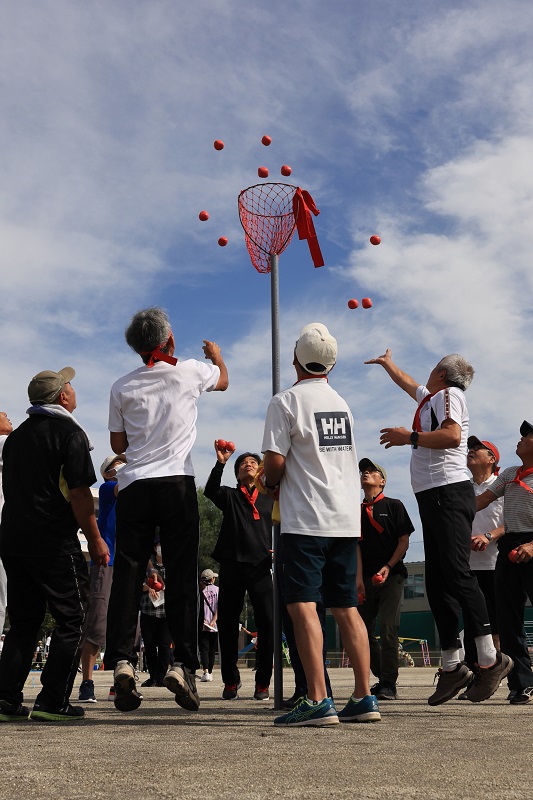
[[148, 329], [459, 372]]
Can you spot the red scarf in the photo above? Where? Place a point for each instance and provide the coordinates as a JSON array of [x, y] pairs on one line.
[[251, 499], [367, 505], [157, 355], [302, 206], [522, 472], [416, 421]]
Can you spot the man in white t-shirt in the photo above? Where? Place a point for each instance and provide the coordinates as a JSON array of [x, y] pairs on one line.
[[152, 419], [447, 505], [310, 454], [482, 461]]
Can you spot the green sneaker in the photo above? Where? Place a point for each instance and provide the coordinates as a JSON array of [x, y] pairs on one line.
[[306, 713], [66, 713], [10, 712]]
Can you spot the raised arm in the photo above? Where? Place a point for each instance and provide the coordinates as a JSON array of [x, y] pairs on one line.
[[400, 378], [213, 354]]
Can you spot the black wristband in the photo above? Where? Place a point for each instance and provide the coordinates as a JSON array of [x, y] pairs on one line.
[[389, 566], [414, 439], [271, 488]]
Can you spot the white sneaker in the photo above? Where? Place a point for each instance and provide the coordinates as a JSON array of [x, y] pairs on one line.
[[209, 676], [127, 698], [205, 677], [181, 681]]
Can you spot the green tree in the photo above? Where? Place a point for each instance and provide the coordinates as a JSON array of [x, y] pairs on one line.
[[210, 522]]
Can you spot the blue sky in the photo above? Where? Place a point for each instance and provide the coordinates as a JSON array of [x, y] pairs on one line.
[[412, 120]]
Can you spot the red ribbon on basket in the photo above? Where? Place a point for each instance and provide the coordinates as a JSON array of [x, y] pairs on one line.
[[302, 206]]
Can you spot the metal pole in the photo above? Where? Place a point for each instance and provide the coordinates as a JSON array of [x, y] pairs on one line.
[[278, 654]]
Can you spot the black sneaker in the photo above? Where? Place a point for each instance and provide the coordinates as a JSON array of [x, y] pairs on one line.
[[386, 692], [66, 713], [231, 691], [522, 697], [512, 693], [486, 681], [449, 684], [182, 683], [86, 694], [375, 688], [148, 683], [292, 701], [11, 712]]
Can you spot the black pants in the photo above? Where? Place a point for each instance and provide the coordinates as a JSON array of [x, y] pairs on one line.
[[208, 649], [171, 504], [157, 641], [235, 579], [447, 513], [386, 601], [63, 582], [514, 584], [487, 584]]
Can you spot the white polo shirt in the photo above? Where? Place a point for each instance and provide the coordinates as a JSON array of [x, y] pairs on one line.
[[431, 468], [486, 520], [157, 409], [312, 426]]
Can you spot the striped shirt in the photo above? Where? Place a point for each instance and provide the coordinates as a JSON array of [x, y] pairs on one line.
[[518, 509]]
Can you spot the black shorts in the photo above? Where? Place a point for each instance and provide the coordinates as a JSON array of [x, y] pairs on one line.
[[319, 569]]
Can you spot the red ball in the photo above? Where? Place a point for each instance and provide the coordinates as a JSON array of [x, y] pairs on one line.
[[230, 447], [375, 240], [203, 216], [266, 140], [223, 241], [360, 598], [221, 444], [366, 302], [513, 556], [286, 170], [157, 586], [218, 144], [377, 579], [353, 303], [262, 172]]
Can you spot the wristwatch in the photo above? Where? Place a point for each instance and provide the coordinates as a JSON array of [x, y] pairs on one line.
[[414, 439], [488, 536]]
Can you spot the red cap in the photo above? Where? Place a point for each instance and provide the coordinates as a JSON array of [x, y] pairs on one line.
[[473, 440]]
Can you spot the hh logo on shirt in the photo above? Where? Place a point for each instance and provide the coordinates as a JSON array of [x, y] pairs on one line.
[[334, 430]]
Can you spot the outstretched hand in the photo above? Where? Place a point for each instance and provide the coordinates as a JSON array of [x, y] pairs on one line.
[[394, 437], [222, 455], [211, 350], [384, 359]]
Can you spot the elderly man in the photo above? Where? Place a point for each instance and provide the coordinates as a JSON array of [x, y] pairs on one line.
[[514, 566], [310, 453], [5, 429], [47, 474], [152, 419], [385, 530], [446, 502], [487, 528]]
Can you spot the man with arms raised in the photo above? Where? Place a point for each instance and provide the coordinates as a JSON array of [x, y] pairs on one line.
[[447, 506], [152, 420], [310, 453]]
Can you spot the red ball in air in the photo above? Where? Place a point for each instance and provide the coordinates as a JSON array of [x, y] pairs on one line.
[[366, 302], [230, 447], [223, 241], [286, 170], [377, 579], [513, 556], [262, 172], [218, 144], [353, 303], [266, 140], [203, 216], [375, 240]]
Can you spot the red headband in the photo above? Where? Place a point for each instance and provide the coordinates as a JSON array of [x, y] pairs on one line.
[[157, 354]]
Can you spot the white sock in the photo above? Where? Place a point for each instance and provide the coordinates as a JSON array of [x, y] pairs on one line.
[[450, 659], [486, 652], [356, 699]]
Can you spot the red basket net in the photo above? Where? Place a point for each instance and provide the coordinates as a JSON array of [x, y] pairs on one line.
[[267, 216]]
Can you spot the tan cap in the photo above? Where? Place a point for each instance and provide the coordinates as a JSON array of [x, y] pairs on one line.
[[316, 347], [46, 386]]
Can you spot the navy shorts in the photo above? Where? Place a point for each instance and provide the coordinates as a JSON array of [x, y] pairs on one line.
[[319, 569]]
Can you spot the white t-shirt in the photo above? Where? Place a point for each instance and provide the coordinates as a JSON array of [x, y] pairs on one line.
[[312, 426], [157, 409], [2, 441], [485, 521], [431, 467]]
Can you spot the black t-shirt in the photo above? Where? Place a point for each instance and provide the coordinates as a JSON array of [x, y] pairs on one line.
[[377, 548], [43, 458], [242, 538]]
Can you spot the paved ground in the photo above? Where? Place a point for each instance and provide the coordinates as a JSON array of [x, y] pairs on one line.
[[230, 749]]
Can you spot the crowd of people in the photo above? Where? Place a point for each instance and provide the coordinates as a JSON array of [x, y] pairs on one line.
[[334, 551]]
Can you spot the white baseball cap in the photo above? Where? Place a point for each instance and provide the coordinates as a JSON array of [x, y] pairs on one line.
[[316, 349]]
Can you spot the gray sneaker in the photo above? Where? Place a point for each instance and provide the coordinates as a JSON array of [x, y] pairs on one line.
[[182, 683], [127, 698], [450, 684], [486, 681]]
